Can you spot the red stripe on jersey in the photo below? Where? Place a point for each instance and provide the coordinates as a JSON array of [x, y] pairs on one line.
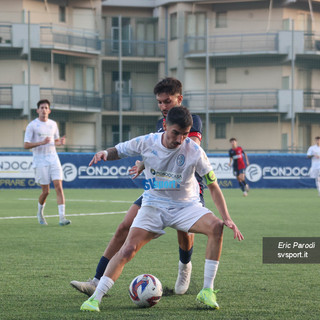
[[195, 134]]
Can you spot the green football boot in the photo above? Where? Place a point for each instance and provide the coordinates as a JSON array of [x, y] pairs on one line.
[[208, 297], [90, 305]]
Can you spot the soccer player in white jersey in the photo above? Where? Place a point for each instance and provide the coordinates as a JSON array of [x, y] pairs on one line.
[[171, 199], [314, 154], [42, 136]]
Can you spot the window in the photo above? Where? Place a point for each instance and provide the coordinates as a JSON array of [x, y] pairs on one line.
[[285, 83], [196, 29], [62, 72], [62, 14], [221, 75], [221, 130], [173, 26], [221, 19]]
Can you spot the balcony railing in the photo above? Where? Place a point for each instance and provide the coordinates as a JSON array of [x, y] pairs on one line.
[[71, 39], [235, 43], [311, 101], [77, 100], [312, 42], [130, 102], [231, 100], [5, 35], [5, 96], [133, 48]]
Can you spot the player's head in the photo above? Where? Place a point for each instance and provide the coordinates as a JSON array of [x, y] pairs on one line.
[[43, 109], [233, 142], [317, 140], [168, 93], [177, 127]]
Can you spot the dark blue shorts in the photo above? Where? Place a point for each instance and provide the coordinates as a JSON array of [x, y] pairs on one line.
[[237, 172]]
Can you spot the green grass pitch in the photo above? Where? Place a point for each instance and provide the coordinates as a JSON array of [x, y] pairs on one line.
[[37, 262]]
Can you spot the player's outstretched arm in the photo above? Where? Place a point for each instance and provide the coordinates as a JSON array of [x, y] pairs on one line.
[[219, 201], [109, 154]]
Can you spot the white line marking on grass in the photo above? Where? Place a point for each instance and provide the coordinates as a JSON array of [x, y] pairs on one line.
[[69, 215], [78, 200]]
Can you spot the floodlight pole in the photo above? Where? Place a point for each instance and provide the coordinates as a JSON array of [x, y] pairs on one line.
[[292, 85], [207, 86], [29, 68], [120, 78]]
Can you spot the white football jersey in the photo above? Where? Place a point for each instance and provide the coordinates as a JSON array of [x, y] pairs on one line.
[[314, 151], [169, 173], [37, 131]]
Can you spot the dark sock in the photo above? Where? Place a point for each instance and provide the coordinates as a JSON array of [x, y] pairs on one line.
[[185, 256], [241, 184], [101, 267]]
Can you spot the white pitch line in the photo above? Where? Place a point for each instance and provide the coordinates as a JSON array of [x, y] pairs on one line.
[[79, 200], [69, 215]]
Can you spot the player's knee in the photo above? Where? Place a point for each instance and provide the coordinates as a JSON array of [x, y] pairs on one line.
[[45, 193], [217, 228], [128, 252]]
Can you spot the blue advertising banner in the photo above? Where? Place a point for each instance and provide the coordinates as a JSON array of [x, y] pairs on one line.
[[264, 171]]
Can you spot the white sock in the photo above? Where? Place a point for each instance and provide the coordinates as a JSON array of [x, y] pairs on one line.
[[318, 184], [41, 208], [105, 284], [210, 271], [61, 208]]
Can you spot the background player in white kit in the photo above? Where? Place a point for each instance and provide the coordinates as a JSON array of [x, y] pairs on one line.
[[42, 136], [171, 160], [314, 154]]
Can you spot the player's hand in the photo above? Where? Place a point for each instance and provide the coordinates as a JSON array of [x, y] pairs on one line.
[[101, 155], [236, 232], [46, 140], [137, 169], [63, 140]]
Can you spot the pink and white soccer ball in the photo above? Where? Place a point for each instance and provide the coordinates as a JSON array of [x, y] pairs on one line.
[[145, 290]]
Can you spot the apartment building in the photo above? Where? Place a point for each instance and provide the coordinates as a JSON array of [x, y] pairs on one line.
[[250, 69]]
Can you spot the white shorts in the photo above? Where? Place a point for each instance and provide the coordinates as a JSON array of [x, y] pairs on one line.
[[155, 219], [44, 175], [314, 172]]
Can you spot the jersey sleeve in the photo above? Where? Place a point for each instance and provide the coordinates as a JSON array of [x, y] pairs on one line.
[[56, 132], [136, 146], [196, 129], [309, 152], [29, 133], [203, 165]]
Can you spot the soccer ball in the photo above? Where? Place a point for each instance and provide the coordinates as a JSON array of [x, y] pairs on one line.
[[145, 290]]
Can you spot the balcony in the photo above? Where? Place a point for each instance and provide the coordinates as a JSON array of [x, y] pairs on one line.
[[72, 100], [78, 40], [232, 101], [5, 97], [141, 102], [233, 44], [5, 35], [311, 101], [279, 43], [134, 48]]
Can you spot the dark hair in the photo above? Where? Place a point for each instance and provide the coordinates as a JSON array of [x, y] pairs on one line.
[[232, 139], [318, 137], [168, 85], [180, 116], [43, 101]]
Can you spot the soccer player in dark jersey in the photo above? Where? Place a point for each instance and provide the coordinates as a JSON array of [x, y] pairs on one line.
[[168, 93], [236, 154]]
